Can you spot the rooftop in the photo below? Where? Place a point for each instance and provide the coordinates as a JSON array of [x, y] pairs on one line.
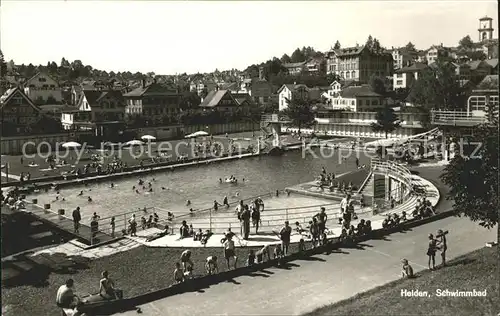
[[359, 91], [413, 68]]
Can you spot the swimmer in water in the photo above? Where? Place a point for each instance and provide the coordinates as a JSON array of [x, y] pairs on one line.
[[220, 180], [163, 188], [133, 188], [89, 199], [137, 191], [150, 190], [81, 193], [188, 202], [112, 185], [63, 199]]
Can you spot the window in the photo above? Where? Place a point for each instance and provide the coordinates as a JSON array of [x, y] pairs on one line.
[[399, 82], [374, 102], [477, 103], [399, 75], [348, 75], [360, 102]]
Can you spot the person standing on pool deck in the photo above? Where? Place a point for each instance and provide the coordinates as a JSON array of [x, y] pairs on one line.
[[245, 221], [225, 202], [77, 217], [322, 218], [285, 234]]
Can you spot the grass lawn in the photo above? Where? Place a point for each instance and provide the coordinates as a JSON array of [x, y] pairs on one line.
[[477, 270], [137, 271]]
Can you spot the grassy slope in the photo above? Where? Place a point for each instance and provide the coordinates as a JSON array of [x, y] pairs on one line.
[[476, 270], [137, 271]]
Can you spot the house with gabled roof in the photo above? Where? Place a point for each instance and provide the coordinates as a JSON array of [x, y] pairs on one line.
[[289, 92], [406, 76], [95, 109], [359, 63], [360, 98], [153, 101], [43, 89], [17, 110], [225, 101]]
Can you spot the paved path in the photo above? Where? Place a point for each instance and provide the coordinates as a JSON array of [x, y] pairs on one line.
[[324, 279]]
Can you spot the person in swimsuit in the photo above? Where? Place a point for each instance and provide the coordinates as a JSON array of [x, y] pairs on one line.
[[107, 287], [178, 273], [407, 269], [216, 205], [431, 252], [211, 265], [229, 250], [264, 251], [186, 260], [285, 234], [441, 244], [322, 218]]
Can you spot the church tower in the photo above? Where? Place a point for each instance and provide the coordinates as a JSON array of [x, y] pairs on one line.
[[485, 29]]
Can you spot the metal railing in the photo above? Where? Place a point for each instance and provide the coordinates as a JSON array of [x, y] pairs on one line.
[[269, 118], [398, 172], [271, 219], [459, 118]]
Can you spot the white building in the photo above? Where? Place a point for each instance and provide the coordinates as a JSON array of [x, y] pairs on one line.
[[405, 77], [358, 99], [43, 89], [290, 92]]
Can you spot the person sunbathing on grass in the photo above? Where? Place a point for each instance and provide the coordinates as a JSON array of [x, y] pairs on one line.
[[178, 273], [264, 251], [211, 266], [278, 253], [186, 259]]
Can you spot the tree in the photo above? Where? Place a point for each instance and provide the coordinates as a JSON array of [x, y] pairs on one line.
[[387, 121], [466, 43], [369, 42], [437, 88], [376, 47], [477, 55], [300, 113], [410, 47], [298, 56], [473, 180], [378, 85], [65, 63], [3, 65], [285, 59], [337, 45]]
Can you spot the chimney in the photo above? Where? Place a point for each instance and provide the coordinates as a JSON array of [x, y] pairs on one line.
[[143, 83]]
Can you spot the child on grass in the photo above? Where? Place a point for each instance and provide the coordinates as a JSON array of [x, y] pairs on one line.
[[178, 274], [407, 269], [211, 265]]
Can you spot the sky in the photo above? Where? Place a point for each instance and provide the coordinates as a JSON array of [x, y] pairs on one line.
[[169, 37]]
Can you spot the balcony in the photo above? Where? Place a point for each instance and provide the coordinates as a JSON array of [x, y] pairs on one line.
[[456, 118]]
